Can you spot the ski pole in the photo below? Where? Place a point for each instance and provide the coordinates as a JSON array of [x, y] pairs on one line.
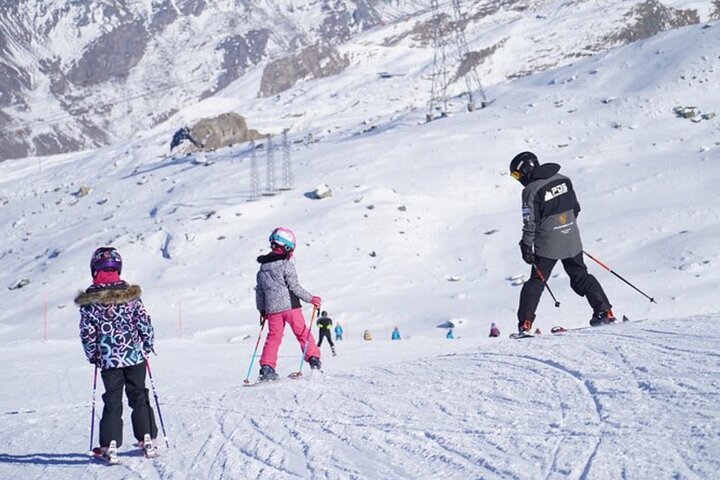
[[542, 277], [92, 415], [252, 360], [307, 338], [652, 300], [157, 402]]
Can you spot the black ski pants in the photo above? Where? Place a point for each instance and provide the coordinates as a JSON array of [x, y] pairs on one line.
[[581, 282], [325, 333], [143, 417]]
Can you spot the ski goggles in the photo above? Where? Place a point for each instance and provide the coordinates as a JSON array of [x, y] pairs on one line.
[[516, 174]]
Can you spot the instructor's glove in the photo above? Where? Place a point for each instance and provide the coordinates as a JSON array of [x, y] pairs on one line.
[[316, 301], [527, 253]]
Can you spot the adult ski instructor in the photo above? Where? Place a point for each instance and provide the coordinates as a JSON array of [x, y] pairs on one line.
[[550, 233]]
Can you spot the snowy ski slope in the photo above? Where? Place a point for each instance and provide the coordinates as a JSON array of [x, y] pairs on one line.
[[422, 228]]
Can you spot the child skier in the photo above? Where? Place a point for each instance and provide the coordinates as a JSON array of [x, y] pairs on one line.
[[338, 332], [117, 335], [277, 297], [395, 334], [324, 323]]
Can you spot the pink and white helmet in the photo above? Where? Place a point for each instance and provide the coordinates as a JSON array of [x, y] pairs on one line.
[[284, 238]]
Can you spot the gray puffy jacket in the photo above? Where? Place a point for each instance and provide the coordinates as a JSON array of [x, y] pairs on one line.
[[277, 287]]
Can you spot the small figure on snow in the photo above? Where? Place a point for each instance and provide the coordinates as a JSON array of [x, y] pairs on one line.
[[324, 323], [367, 335], [117, 336], [277, 297], [338, 332], [494, 330], [449, 335], [395, 334], [550, 233]]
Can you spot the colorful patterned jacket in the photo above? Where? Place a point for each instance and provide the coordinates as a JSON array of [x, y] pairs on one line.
[[115, 329]]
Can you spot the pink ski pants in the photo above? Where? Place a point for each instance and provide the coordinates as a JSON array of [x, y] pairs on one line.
[[276, 326]]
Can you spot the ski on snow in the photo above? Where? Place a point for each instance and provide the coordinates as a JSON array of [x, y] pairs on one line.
[[560, 329], [291, 376], [146, 448]]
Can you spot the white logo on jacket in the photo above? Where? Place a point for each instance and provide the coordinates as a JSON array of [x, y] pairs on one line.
[[556, 191]]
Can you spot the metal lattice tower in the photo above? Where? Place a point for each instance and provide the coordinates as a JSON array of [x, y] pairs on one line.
[[270, 179], [444, 28], [288, 182], [438, 92], [254, 174], [472, 78]]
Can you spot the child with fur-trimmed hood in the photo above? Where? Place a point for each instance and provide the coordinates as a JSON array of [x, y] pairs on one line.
[[117, 335]]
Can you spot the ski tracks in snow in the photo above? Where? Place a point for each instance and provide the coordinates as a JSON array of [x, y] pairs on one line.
[[588, 404]]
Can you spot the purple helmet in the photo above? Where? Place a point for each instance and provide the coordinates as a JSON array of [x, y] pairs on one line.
[[105, 258]]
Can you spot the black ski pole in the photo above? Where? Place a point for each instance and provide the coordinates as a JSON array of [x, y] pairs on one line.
[[92, 414], [618, 276], [157, 402], [542, 277]]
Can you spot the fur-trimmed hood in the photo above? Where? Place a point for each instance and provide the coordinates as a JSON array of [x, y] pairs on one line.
[[108, 295]]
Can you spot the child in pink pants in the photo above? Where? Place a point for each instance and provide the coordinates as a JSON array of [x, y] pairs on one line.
[[277, 297]]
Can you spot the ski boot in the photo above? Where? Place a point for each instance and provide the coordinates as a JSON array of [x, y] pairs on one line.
[[315, 363], [525, 328], [602, 318], [333, 350], [107, 454], [267, 374], [148, 446]]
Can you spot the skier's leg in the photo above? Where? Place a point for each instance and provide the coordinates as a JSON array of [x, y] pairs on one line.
[[111, 424], [329, 337], [532, 290], [276, 325], [143, 417], [586, 285], [297, 324], [321, 338]]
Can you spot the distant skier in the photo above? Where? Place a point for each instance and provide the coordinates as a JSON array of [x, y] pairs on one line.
[[395, 334], [550, 233], [494, 330], [324, 323], [367, 335], [450, 335], [277, 297], [338, 332], [117, 335]]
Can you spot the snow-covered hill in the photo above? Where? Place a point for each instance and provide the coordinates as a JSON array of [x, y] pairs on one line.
[[422, 228]]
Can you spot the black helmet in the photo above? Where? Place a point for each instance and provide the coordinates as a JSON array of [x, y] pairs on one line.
[[105, 258], [522, 166]]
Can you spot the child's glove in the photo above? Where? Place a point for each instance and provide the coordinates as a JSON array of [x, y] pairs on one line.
[[316, 301]]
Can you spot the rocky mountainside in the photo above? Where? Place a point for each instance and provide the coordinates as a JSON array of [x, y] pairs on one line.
[[78, 75]]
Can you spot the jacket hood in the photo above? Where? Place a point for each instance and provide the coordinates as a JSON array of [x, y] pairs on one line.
[[109, 294], [544, 171], [272, 257]]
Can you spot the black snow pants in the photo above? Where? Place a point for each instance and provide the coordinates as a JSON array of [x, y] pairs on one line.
[[581, 282], [325, 333], [143, 417]]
